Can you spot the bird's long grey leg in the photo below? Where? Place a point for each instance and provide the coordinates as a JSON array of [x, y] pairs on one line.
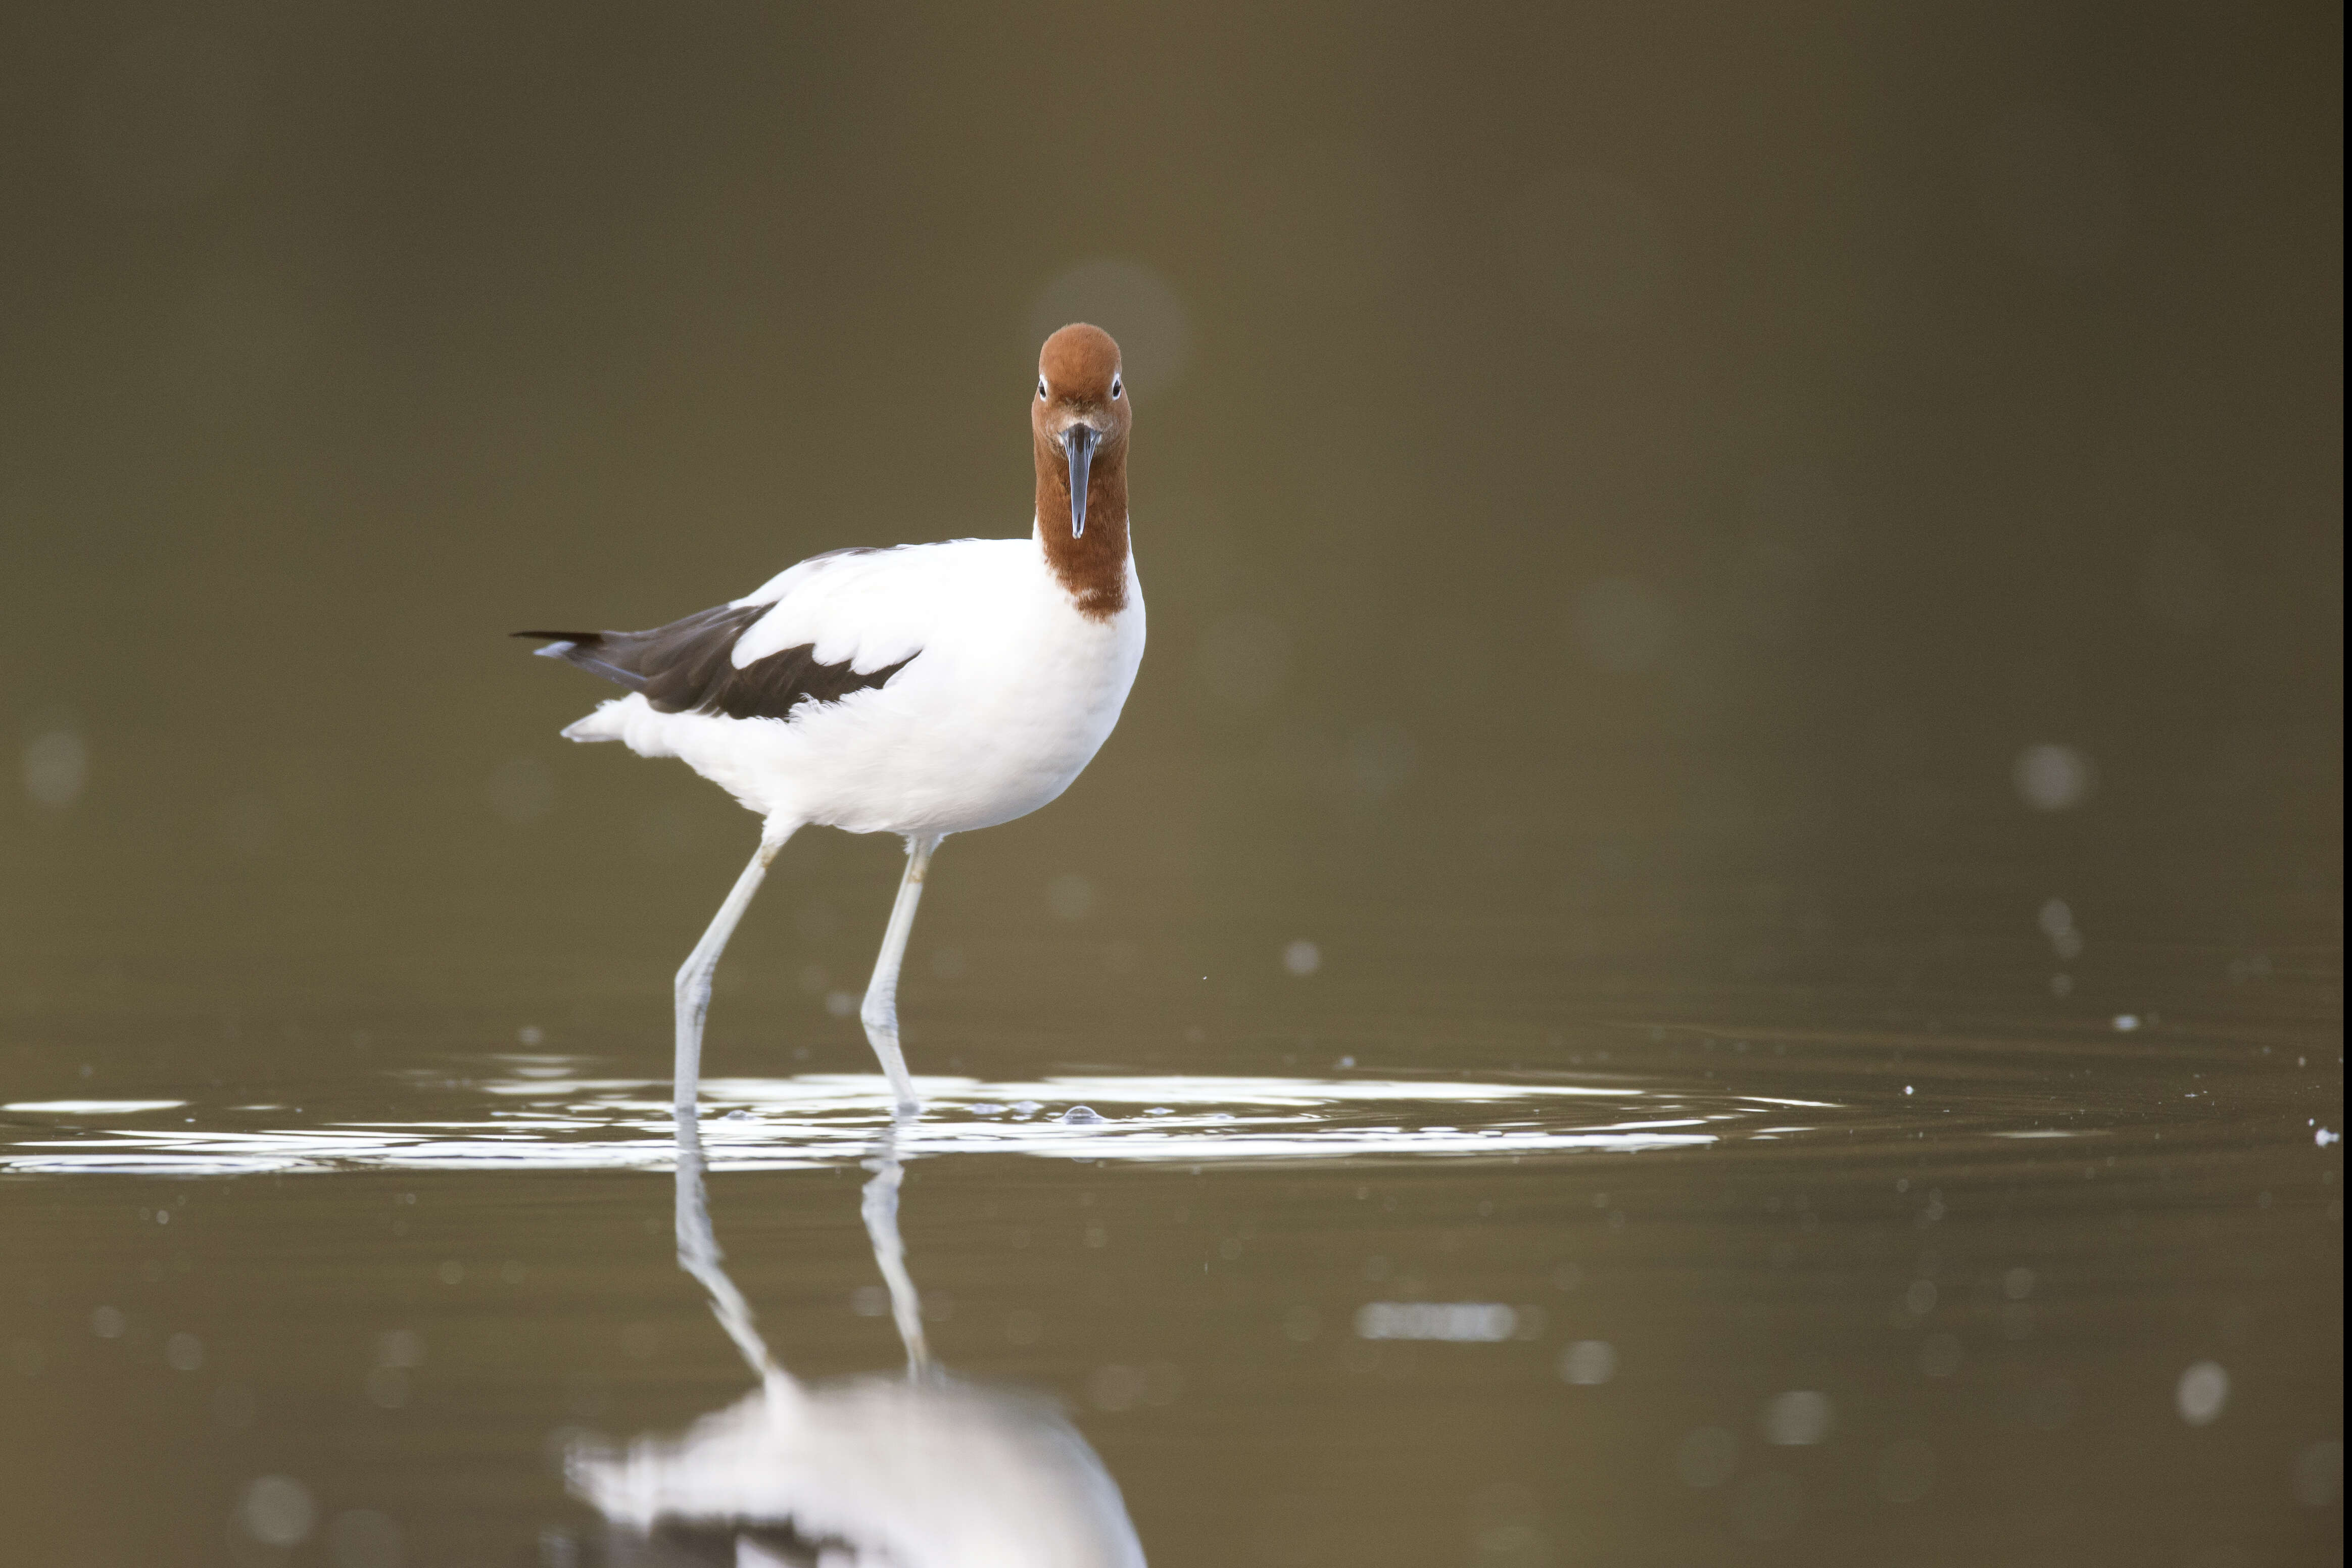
[[880, 1013], [698, 1255], [879, 1205], [693, 976]]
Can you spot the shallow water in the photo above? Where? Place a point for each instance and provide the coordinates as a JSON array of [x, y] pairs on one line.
[[1552, 1267], [1712, 935]]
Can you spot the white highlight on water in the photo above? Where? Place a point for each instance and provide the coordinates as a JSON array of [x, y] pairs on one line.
[[536, 1122], [1475, 1323]]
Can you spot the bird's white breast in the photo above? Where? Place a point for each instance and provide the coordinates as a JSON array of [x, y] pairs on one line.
[[1011, 695]]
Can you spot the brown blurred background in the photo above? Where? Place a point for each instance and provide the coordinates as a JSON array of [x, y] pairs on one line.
[[1598, 468], [1818, 523]]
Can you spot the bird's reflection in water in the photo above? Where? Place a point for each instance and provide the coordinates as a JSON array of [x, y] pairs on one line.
[[912, 1470]]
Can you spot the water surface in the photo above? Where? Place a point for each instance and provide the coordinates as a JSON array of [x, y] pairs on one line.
[[1712, 935], [1857, 1280]]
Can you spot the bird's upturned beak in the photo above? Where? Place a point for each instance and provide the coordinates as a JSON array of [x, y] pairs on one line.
[[1079, 442]]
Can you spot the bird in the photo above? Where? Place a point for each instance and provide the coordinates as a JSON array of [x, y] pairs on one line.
[[920, 690]]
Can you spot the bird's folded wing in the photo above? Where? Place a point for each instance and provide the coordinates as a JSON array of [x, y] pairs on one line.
[[684, 667], [833, 624], [865, 610]]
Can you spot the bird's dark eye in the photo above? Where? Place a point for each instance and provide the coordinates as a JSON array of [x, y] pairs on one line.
[[1041, 389], [1115, 387]]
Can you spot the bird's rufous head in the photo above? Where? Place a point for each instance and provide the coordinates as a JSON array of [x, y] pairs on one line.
[[1080, 413]]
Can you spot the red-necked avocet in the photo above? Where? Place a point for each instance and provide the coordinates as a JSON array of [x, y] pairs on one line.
[[922, 691]]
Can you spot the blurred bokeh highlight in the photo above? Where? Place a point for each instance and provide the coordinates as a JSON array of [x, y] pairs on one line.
[[1655, 519], [1721, 436]]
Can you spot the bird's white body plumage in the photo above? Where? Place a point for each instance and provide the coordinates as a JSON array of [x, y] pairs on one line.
[[1010, 692], [889, 1472]]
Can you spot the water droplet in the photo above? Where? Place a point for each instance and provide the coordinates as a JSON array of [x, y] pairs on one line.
[[1798, 1418], [1588, 1361], [278, 1510], [2052, 777], [2201, 1392], [55, 765]]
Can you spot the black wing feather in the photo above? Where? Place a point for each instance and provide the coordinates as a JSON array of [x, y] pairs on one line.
[[688, 666]]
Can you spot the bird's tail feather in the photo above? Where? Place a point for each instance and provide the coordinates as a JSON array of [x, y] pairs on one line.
[[584, 651], [605, 724]]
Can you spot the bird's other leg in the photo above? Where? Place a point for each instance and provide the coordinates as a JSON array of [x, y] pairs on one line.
[[693, 976], [880, 1013]]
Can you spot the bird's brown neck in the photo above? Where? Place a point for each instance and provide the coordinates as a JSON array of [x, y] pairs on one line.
[[1093, 567]]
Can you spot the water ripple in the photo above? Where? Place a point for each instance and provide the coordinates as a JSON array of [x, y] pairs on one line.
[[542, 1122]]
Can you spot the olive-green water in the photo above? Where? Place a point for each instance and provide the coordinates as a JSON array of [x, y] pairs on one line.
[[1713, 935]]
